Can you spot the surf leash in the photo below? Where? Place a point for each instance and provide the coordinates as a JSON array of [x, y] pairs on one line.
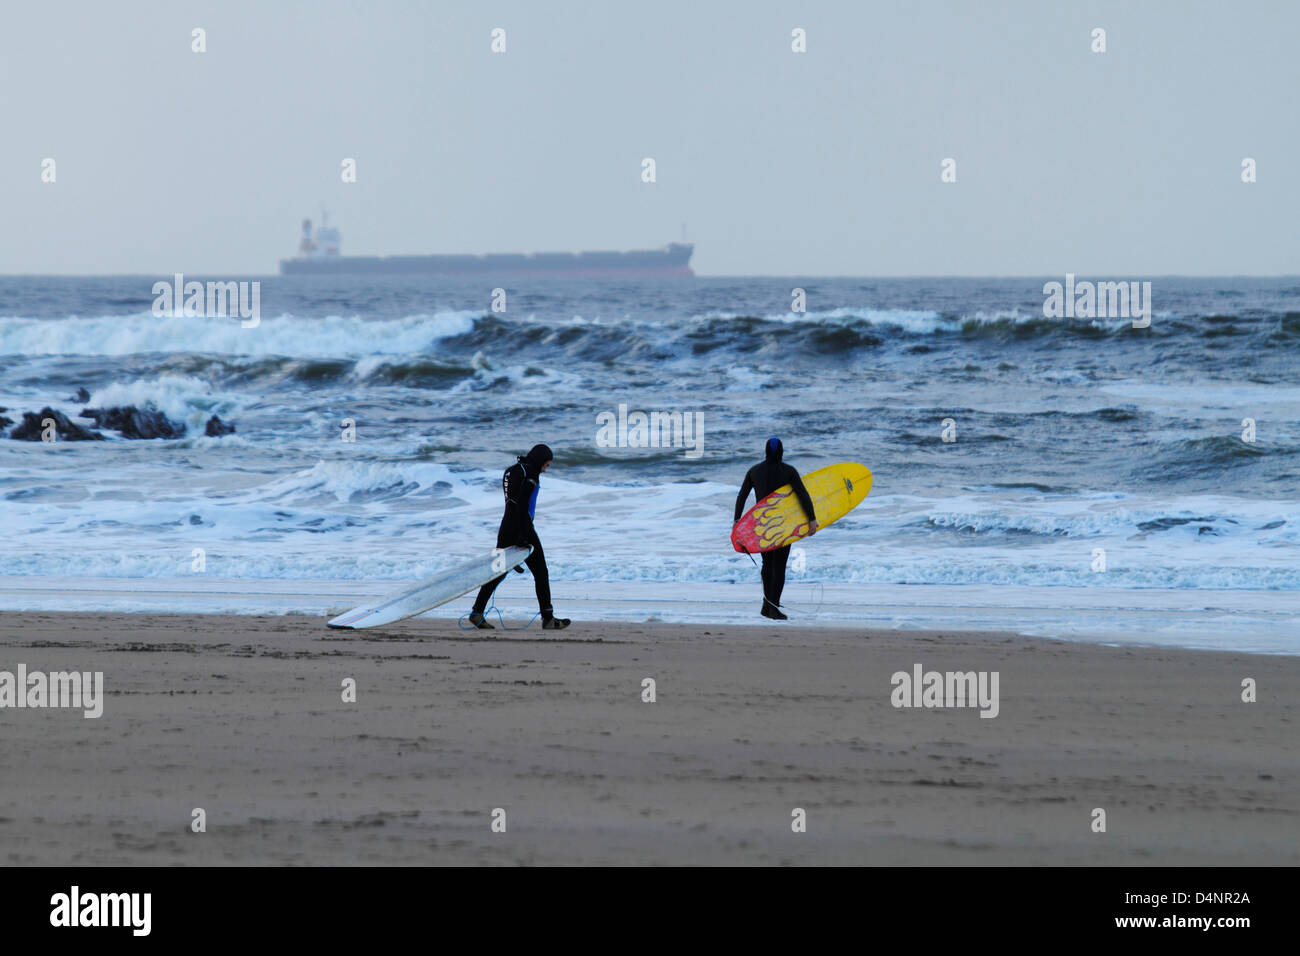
[[782, 607], [488, 610]]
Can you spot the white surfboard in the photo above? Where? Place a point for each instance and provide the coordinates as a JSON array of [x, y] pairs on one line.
[[442, 587]]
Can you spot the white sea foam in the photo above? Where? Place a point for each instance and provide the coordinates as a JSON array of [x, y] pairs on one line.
[[917, 322], [142, 332], [913, 321], [181, 398], [351, 518], [746, 379]]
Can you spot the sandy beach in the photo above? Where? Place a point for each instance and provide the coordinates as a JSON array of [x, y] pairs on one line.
[[244, 718]]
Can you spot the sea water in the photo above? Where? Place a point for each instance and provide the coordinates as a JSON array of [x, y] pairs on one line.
[[1068, 476]]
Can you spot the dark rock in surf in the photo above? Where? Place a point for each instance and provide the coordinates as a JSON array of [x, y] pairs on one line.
[[216, 428], [132, 422], [66, 430], [82, 396]]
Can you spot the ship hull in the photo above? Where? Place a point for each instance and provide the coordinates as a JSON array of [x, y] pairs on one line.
[[662, 263]]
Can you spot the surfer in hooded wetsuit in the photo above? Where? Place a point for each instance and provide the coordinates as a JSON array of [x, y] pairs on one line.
[[520, 484], [763, 479]]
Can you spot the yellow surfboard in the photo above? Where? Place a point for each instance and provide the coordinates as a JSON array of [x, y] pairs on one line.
[[779, 520]]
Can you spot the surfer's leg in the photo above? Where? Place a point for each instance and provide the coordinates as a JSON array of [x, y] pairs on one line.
[[485, 594], [541, 578], [774, 582], [505, 536], [769, 605], [776, 579]]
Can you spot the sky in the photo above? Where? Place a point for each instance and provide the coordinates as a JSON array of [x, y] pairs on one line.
[[1126, 163]]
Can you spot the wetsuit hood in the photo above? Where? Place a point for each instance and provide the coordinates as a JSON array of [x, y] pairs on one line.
[[538, 456], [774, 449]]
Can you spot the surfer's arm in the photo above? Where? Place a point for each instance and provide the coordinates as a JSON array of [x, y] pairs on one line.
[[741, 498], [523, 522], [806, 502], [518, 491]]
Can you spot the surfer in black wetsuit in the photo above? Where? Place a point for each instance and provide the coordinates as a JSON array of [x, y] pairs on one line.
[[763, 479], [520, 484]]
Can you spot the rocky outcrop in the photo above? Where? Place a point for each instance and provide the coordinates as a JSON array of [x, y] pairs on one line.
[[67, 430], [127, 420], [132, 422], [216, 428]]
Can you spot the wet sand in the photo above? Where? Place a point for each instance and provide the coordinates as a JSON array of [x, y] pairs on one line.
[[243, 717]]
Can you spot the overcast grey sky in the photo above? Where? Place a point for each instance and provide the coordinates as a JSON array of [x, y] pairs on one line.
[[1126, 163]]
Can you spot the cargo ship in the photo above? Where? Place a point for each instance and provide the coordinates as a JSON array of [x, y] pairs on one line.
[[318, 254]]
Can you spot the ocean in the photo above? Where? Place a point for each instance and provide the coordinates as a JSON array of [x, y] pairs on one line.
[[1103, 482]]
